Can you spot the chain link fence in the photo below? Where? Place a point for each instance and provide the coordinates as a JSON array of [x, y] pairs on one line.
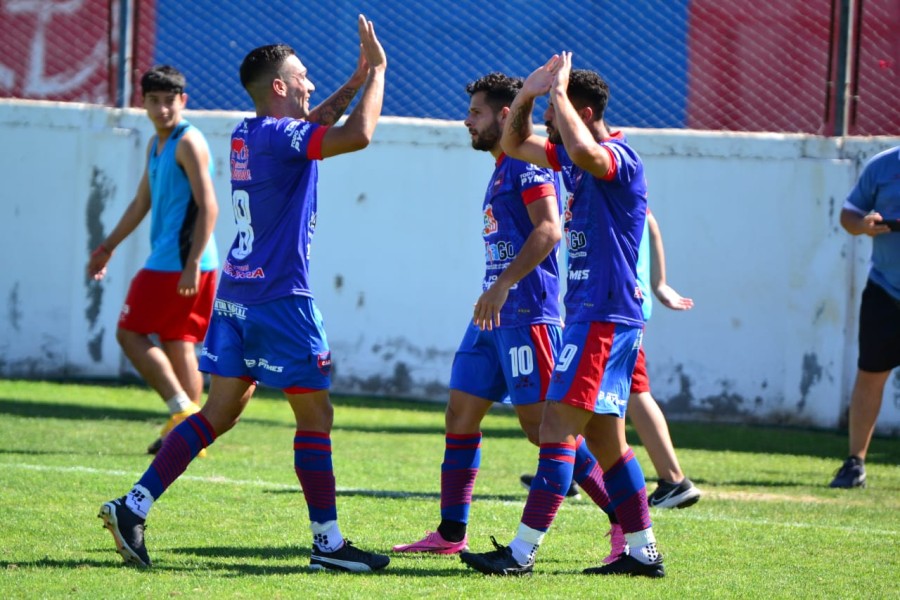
[[824, 67]]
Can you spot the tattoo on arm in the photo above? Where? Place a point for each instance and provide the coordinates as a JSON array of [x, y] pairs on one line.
[[331, 110], [519, 124]]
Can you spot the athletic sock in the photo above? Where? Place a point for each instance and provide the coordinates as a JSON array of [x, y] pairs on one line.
[[452, 531], [179, 403], [178, 450], [589, 476], [627, 491], [548, 490], [642, 546], [462, 457], [312, 463], [139, 501], [327, 536]]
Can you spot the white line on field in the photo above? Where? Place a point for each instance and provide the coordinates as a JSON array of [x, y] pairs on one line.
[[692, 516]]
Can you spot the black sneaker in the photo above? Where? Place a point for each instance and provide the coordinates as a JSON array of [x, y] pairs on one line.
[[674, 495], [852, 474], [628, 565], [496, 562], [573, 493], [155, 446], [127, 530], [347, 558]]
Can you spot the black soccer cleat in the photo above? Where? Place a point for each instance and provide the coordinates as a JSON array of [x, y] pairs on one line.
[[496, 562], [347, 558], [674, 495], [628, 565], [572, 494], [852, 474], [127, 530]]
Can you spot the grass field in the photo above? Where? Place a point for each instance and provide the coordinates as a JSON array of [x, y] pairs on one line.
[[235, 525]]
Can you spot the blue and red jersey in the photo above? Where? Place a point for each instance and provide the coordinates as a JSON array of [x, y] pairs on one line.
[[513, 186], [603, 225], [273, 183]]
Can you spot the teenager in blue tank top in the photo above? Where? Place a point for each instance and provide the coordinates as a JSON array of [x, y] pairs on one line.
[[171, 296], [265, 326]]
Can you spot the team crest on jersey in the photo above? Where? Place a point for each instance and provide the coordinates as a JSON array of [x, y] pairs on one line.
[[490, 223], [567, 215], [240, 160]]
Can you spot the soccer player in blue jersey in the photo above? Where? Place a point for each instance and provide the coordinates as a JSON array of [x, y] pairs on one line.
[[508, 350], [873, 209], [265, 326], [172, 295], [588, 391]]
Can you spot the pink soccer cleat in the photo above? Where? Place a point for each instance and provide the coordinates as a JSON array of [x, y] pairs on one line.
[[434, 543], [617, 544]]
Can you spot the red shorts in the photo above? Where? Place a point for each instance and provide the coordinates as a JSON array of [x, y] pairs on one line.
[[153, 305], [640, 381]]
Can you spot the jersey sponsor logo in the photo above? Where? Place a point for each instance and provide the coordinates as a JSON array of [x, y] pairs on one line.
[[242, 271], [575, 241], [533, 175], [240, 160], [611, 397], [499, 252], [205, 352], [298, 135], [230, 309], [263, 363], [489, 281], [579, 274], [490, 223]]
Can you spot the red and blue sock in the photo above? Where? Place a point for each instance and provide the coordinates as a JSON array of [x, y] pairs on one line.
[[312, 463], [462, 457]]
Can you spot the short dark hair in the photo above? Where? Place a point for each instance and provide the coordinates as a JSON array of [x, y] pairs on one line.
[[261, 64], [499, 89], [587, 88], [163, 78]]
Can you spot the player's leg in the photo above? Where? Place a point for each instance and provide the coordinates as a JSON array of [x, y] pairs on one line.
[[182, 356], [291, 350], [562, 422], [476, 380], [879, 354], [125, 516]]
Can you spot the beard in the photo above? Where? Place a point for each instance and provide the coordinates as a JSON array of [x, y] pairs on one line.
[[488, 139], [553, 134]]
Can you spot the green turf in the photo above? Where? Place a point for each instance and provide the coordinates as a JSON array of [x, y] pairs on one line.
[[236, 526]]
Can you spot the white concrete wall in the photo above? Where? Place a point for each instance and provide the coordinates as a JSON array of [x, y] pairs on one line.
[[750, 223]]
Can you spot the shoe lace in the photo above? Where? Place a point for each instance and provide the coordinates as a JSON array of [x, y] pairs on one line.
[[500, 550]]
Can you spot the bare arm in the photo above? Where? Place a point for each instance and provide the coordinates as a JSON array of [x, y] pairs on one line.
[[128, 222], [668, 296], [518, 139], [193, 156], [330, 110], [544, 214], [581, 146], [858, 224], [358, 129]]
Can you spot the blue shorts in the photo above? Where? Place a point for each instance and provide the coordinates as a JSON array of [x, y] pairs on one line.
[[508, 364], [593, 371], [279, 343]]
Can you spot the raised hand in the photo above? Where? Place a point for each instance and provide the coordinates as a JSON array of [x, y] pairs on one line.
[[371, 48], [562, 69], [541, 79]]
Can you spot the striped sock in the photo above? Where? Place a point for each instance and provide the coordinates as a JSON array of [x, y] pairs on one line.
[[548, 490], [179, 448], [462, 457], [628, 493], [312, 463], [589, 475]]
